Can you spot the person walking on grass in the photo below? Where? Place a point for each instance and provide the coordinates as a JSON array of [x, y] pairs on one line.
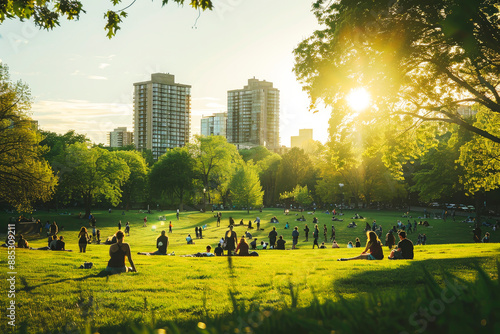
[[230, 240], [325, 231], [373, 249], [83, 238], [170, 227], [332, 238], [119, 225], [295, 237], [306, 230], [127, 229], [272, 238], [316, 236]]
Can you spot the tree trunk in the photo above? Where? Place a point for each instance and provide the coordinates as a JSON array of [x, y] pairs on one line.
[[181, 198]]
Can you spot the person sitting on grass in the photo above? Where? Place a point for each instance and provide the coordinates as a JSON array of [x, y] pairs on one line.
[[117, 254], [373, 250], [322, 245], [53, 243], [350, 245], [189, 240], [242, 247], [390, 241], [22, 243], [404, 250], [280, 244], [358, 243], [60, 244], [161, 244], [208, 253], [263, 244], [486, 237], [253, 244], [218, 250], [335, 244]]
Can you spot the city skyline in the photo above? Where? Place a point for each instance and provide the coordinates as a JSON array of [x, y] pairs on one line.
[[81, 80]]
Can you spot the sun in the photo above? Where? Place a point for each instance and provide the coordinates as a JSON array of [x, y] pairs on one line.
[[358, 99]]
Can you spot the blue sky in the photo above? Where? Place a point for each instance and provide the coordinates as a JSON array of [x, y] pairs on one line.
[[81, 80]]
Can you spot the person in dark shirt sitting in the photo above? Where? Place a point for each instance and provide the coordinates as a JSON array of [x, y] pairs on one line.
[[161, 244], [280, 243], [60, 244], [404, 250], [253, 244], [22, 243], [218, 250]]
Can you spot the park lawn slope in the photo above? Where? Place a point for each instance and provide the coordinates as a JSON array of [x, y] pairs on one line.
[[54, 295]]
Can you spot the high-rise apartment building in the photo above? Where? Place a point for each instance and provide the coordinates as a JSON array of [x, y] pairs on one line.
[[253, 115], [162, 114], [214, 125], [120, 137]]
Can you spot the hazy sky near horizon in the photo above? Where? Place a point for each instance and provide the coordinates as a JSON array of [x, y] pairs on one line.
[[81, 80]]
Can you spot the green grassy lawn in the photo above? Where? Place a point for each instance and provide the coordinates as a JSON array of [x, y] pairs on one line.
[[53, 295]]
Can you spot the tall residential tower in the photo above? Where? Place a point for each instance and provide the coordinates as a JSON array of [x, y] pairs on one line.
[[253, 115], [162, 114]]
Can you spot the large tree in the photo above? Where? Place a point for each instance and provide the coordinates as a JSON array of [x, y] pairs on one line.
[[216, 160], [134, 189], [245, 187], [296, 168], [420, 60], [47, 14], [25, 177], [91, 174], [172, 176]]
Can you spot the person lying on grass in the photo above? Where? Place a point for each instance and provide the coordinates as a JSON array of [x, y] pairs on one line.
[[208, 253], [117, 254], [161, 244], [373, 250]]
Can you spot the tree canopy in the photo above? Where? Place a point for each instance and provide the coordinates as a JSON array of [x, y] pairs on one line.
[[25, 176], [419, 60], [246, 190], [172, 176], [47, 14]]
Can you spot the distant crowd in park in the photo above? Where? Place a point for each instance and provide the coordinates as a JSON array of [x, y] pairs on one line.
[[247, 245]]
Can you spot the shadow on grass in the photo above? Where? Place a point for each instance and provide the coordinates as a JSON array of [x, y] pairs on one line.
[[412, 275], [28, 288]]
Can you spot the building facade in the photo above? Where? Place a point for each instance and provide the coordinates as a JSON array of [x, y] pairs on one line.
[[162, 114], [214, 125], [253, 115], [304, 136], [120, 137]]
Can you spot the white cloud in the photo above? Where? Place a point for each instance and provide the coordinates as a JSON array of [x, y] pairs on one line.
[[93, 119], [96, 77], [103, 65]]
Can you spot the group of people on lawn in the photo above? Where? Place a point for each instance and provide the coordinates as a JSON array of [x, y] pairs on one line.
[[119, 250]]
